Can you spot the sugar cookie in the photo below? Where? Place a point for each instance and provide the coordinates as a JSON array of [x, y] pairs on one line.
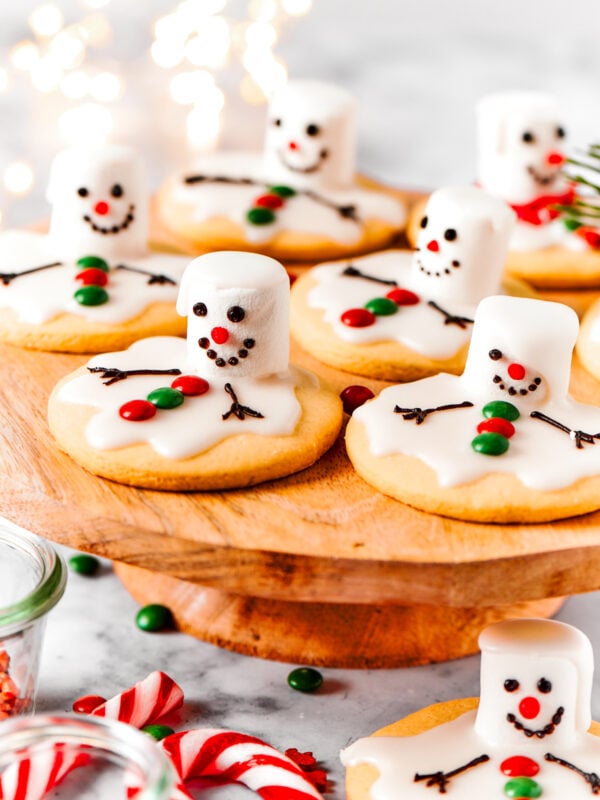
[[298, 200], [222, 409], [529, 735], [503, 442]]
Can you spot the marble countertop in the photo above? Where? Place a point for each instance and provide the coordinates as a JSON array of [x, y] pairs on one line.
[[418, 69]]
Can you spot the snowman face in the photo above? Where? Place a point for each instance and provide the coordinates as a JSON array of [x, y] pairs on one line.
[[99, 202], [528, 699], [521, 146], [462, 245], [513, 379], [237, 306], [310, 136]]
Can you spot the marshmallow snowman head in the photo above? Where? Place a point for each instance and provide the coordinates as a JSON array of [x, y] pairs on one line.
[[311, 136], [237, 305], [536, 675], [521, 350], [521, 143], [99, 203], [462, 245]]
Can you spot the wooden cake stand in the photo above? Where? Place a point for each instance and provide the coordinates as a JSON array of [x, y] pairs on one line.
[[317, 568]]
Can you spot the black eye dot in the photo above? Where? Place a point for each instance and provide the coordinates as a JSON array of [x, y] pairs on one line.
[[424, 222], [235, 314], [313, 130], [511, 685], [277, 123], [544, 685], [495, 355], [528, 137], [450, 234], [560, 132], [117, 190], [200, 310], [82, 192]]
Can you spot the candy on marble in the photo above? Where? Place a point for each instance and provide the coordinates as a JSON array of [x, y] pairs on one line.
[[305, 679], [158, 732], [87, 703], [145, 702], [154, 617], [84, 564]]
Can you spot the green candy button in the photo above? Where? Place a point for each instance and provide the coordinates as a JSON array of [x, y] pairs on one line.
[[165, 397], [91, 296], [305, 679], [158, 732], [154, 618], [93, 261], [381, 306], [282, 191], [260, 216], [500, 408], [490, 444], [571, 224], [522, 787], [84, 564]]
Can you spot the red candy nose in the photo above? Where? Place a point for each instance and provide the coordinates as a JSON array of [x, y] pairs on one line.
[[529, 707], [516, 371], [433, 246], [555, 158], [219, 335], [101, 208], [293, 146]]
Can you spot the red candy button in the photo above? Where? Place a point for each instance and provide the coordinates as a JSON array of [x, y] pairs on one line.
[[219, 335], [92, 277], [269, 201], [137, 410], [516, 371], [354, 396], [520, 767], [403, 297], [190, 385], [101, 208], [358, 318], [87, 703], [496, 425], [592, 238], [529, 707]]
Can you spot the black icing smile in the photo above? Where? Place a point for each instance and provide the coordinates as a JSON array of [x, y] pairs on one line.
[[547, 730], [503, 384], [232, 361], [540, 179], [129, 218], [437, 273], [303, 170]]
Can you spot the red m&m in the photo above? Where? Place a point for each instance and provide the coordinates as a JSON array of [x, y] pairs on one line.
[[190, 385], [358, 318]]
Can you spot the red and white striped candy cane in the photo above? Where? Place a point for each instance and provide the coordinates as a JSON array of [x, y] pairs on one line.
[[236, 757], [31, 777], [144, 703]]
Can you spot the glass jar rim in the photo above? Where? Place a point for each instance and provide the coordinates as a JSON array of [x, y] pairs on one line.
[[49, 588], [104, 735]]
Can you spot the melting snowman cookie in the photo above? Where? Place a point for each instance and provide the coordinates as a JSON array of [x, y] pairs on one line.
[[297, 200], [403, 316], [220, 409], [503, 442], [90, 282], [529, 738], [521, 155]]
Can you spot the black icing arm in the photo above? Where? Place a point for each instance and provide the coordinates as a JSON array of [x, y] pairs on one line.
[[579, 437], [153, 277], [451, 319], [7, 277], [114, 374], [353, 272], [442, 779], [419, 414], [589, 777], [237, 409]]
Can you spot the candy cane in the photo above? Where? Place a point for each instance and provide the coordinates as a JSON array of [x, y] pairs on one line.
[[31, 777], [232, 756], [144, 703]]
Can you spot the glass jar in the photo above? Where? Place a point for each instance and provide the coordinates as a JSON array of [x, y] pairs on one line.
[[77, 756], [32, 581]]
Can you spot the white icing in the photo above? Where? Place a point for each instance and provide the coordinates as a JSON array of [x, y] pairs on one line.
[[195, 425], [527, 237], [505, 160], [100, 172], [300, 213], [253, 285], [532, 334], [310, 139], [522, 650], [455, 272], [41, 296]]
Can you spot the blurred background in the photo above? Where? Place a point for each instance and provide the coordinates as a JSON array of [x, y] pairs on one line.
[[180, 78]]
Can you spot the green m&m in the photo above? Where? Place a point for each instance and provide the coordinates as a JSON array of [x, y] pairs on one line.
[[490, 444], [305, 679], [158, 732], [154, 617], [500, 408], [91, 295], [93, 261], [260, 216], [522, 788], [165, 397], [84, 564], [282, 191], [381, 306]]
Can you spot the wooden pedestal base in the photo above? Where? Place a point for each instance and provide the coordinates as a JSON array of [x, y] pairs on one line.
[[323, 634]]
